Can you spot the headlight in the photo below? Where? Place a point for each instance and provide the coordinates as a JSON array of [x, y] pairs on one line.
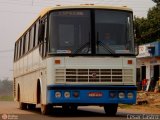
[[67, 94], [121, 95], [57, 94], [130, 95]]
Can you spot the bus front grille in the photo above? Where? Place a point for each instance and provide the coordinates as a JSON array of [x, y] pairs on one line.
[[93, 75]]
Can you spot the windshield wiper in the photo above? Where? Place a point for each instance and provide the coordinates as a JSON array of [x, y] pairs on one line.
[[81, 48], [106, 47]]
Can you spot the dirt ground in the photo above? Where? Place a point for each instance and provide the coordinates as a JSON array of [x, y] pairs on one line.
[[147, 102], [152, 106]]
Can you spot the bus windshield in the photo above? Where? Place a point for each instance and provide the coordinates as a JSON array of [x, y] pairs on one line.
[[91, 32]]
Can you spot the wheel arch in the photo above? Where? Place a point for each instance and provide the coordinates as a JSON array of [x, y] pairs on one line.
[[39, 91], [18, 93]]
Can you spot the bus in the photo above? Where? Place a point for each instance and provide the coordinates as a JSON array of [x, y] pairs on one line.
[[61, 59]]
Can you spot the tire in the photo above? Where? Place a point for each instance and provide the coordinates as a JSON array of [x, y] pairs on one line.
[[46, 109], [74, 107], [22, 106], [69, 107], [110, 109], [31, 106]]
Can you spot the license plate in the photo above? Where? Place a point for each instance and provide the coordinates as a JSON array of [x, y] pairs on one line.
[[95, 94]]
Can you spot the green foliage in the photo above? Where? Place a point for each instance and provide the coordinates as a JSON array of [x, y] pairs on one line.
[[154, 18], [6, 98], [148, 29], [156, 1]]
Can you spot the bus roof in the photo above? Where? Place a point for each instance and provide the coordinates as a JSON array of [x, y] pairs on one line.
[[82, 6]]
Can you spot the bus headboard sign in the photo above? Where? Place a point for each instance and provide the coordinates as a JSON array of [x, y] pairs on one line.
[[70, 13]]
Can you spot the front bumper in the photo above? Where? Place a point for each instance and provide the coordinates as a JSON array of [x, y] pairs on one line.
[[90, 94]]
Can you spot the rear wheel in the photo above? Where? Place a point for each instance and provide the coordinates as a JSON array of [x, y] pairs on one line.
[[22, 106], [31, 106], [110, 109]]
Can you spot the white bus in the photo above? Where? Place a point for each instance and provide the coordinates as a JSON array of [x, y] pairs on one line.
[[63, 59]]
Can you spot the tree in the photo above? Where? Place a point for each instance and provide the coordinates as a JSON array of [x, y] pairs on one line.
[[154, 18], [148, 29], [157, 2]]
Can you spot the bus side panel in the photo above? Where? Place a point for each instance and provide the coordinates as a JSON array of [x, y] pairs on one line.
[[34, 69]]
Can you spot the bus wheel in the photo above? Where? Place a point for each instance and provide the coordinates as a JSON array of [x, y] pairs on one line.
[[31, 106], [74, 107], [45, 109], [110, 109], [22, 106], [65, 107]]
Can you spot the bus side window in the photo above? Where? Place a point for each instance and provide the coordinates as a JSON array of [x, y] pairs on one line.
[[31, 38], [27, 41], [42, 37], [18, 49], [22, 46], [34, 35], [45, 40], [36, 32], [15, 51], [24, 42]]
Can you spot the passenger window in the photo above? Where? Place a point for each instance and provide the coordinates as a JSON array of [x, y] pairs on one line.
[[24, 42], [36, 33], [31, 37], [27, 41], [18, 50], [15, 51], [22, 46]]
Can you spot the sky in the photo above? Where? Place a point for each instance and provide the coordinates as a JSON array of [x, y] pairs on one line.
[[16, 15]]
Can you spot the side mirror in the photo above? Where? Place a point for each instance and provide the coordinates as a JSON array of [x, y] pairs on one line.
[[41, 33]]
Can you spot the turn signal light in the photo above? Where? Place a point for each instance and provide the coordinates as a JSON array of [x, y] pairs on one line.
[[57, 62], [130, 62]]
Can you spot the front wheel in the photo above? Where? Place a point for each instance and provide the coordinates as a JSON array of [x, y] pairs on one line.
[[45, 109], [69, 107], [110, 109], [74, 107]]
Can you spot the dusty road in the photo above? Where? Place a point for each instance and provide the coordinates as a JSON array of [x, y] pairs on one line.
[[86, 113]]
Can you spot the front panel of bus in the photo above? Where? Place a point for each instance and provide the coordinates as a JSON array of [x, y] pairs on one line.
[[92, 57]]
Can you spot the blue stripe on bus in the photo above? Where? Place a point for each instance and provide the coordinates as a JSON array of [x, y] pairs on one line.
[[84, 97]]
